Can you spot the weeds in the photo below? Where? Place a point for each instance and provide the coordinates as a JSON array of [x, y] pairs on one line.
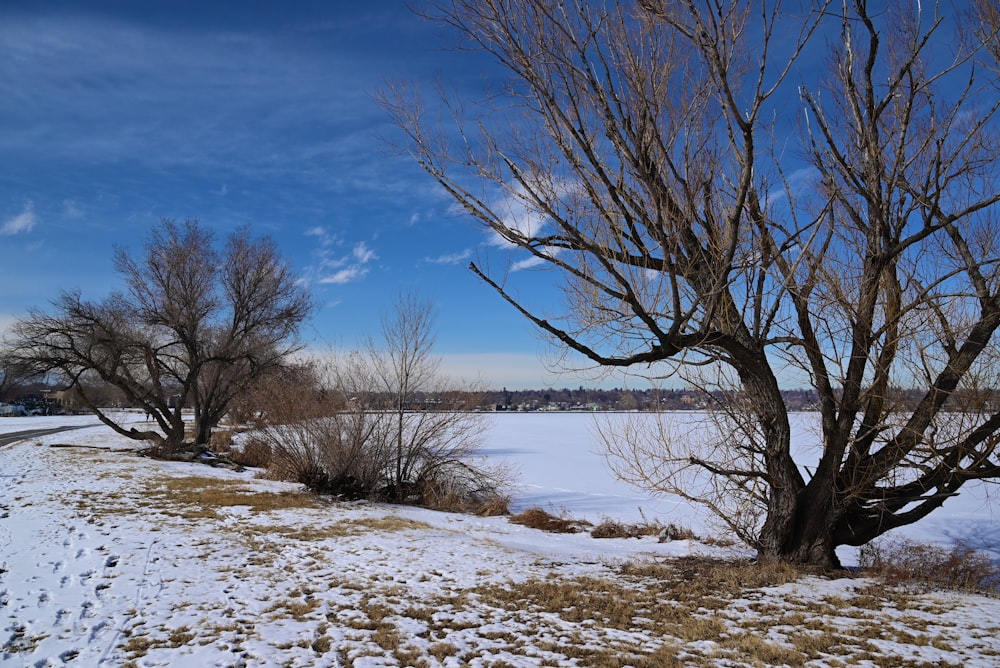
[[903, 561], [537, 518]]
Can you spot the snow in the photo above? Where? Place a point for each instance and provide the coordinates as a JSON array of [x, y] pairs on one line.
[[110, 559]]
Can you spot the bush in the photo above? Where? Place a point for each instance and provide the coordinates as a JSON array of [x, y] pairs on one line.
[[254, 453], [903, 561], [337, 438], [463, 488], [609, 528], [537, 518]]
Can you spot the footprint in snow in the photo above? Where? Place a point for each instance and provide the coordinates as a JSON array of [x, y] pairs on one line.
[[82, 552], [43, 597], [111, 561], [96, 629], [69, 655], [59, 566], [99, 590]]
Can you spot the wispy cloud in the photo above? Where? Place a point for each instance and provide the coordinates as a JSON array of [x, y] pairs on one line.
[[22, 223], [363, 254], [517, 216], [338, 266], [71, 209], [346, 275], [529, 263], [192, 97], [451, 258]]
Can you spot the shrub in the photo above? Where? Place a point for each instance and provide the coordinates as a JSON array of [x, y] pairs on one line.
[[463, 488], [221, 441], [254, 453], [537, 518], [903, 561], [608, 528], [675, 532]]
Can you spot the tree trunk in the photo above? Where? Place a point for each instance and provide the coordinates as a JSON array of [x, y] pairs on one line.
[[202, 432]]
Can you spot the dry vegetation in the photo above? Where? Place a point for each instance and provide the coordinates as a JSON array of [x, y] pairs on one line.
[[906, 562]]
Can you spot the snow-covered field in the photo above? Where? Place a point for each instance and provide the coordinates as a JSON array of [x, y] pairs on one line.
[[110, 559]]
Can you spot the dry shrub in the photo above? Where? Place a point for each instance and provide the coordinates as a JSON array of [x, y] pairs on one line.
[[254, 453], [463, 488], [221, 441], [609, 528], [675, 532], [537, 518], [904, 561]]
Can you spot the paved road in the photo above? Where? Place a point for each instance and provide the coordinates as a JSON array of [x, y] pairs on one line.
[[7, 439]]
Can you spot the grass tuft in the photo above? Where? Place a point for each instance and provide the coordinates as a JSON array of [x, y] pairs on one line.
[[537, 518]]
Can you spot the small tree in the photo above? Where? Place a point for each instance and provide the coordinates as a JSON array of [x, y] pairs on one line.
[[432, 426], [194, 327], [382, 423], [737, 192]]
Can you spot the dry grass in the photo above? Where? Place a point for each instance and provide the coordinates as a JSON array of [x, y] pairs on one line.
[[609, 528], [345, 528], [537, 518], [493, 506], [689, 603], [255, 453], [139, 645], [959, 568], [220, 493]]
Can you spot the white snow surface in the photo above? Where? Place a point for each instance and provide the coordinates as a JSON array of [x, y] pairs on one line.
[[97, 570]]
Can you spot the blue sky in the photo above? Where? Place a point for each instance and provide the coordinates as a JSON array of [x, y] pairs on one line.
[[116, 114]]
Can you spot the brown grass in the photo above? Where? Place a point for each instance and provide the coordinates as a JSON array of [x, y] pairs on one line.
[[451, 502], [255, 453], [220, 493], [345, 528], [609, 528], [536, 518], [904, 561], [684, 601]]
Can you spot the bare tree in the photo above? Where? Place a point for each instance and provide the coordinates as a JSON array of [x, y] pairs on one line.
[[382, 423], [194, 327], [737, 193], [13, 373], [431, 429]]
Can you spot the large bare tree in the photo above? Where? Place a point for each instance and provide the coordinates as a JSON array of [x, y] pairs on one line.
[[193, 328], [745, 194]]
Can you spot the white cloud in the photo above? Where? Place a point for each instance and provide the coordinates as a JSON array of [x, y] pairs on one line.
[[346, 268], [533, 261], [452, 258], [21, 223], [346, 275], [363, 254], [321, 233], [517, 217]]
